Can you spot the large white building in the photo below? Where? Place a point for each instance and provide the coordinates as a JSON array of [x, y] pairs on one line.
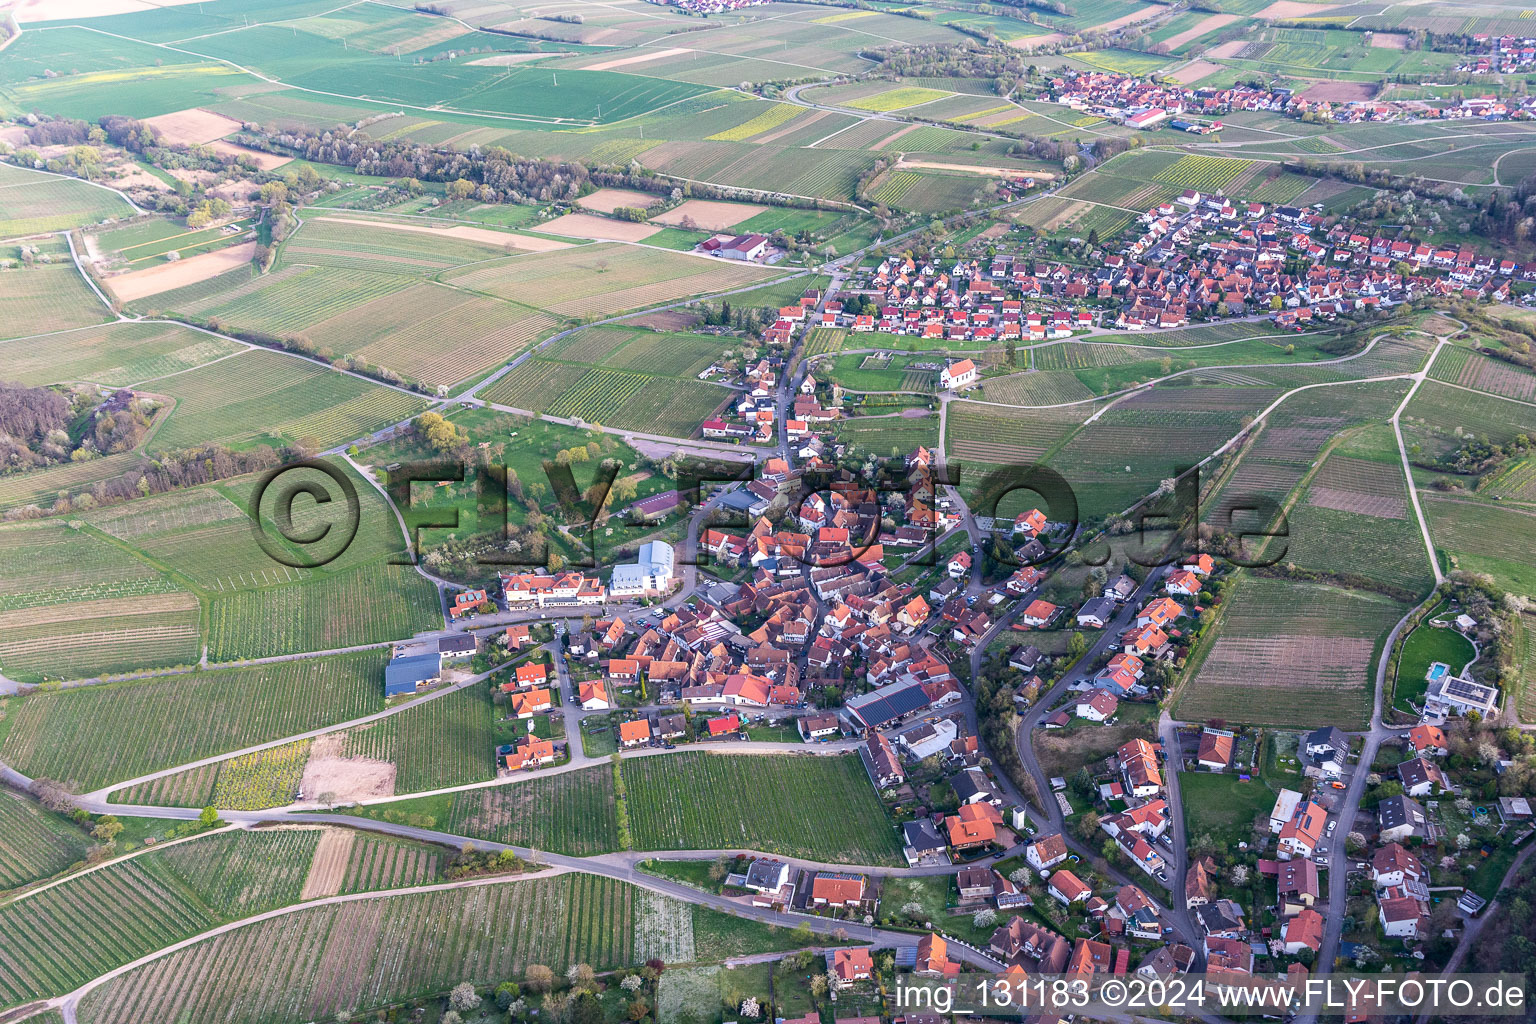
[[649, 576]]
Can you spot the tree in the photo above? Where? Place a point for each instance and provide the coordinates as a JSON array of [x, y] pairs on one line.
[[631, 983], [507, 993], [464, 997], [538, 978], [818, 985], [450, 1017], [984, 918], [107, 828], [209, 817], [581, 976], [750, 1009]]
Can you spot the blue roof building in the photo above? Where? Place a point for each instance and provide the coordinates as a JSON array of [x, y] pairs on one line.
[[408, 674]]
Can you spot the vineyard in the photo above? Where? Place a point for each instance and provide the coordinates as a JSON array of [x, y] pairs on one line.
[[878, 436], [33, 844], [1472, 370], [1204, 173], [312, 963], [31, 203], [243, 872], [269, 397], [384, 248], [775, 115], [1297, 654], [1482, 537], [435, 335], [447, 741], [370, 604], [534, 385], [824, 340], [999, 436], [97, 609], [41, 299], [382, 862], [895, 186], [1047, 388], [818, 808], [63, 937], [572, 813], [93, 736], [115, 355], [597, 395], [605, 278]]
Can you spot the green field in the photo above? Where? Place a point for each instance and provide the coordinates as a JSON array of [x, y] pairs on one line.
[[1482, 537], [97, 735], [819, 808], [1224, 807]]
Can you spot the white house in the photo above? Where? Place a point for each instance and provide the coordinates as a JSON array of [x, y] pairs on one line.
[[650, 575], [1046, 852], [957, 376]]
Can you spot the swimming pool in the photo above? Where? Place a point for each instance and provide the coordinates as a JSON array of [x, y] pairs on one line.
[[1438, 671]]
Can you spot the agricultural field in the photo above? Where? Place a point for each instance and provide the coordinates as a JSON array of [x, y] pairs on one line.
[[818, 808], [98, 735], [115, 355], [447, 741], [603, 279], [573, 813], [99, 610], [621, 377], [1000, 436], [32, 202], [311, 963], [1355, 520], [1291, 653], [250, 782], [1481, 537], [46, 298], [261, 397], [879, 434], [34, 843], [56, 940]]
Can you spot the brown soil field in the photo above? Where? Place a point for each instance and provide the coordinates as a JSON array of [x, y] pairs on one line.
[[1210, 24], [329, 866], [1049, 39], [1389, 41], [349, 778], [606, 200], [193, 127], [1341, 91], [1004, 172], [709, 215], [665, 320], [1228, 49], [586, 225], [502, 60], [486, 236], [639, 58], [264, 161], [163, 278], [1194, 71]]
